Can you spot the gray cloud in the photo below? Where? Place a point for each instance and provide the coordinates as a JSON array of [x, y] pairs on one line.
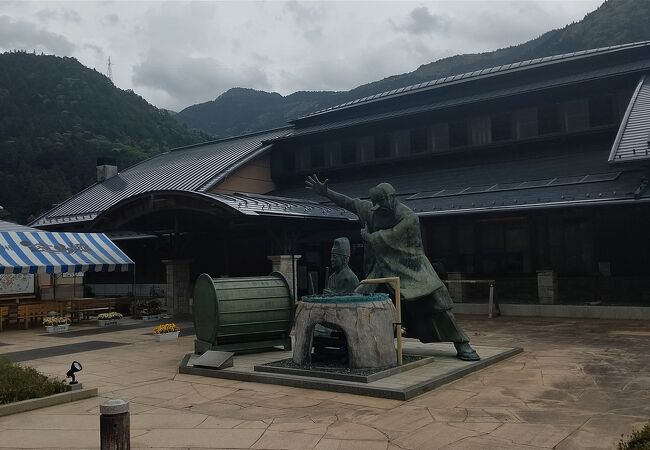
[[111, 19], [186, 80], [308, 18], [421, 21], [313, 34], [62, 14], [22, 35], [302, 13], [99, 52], [176, 53]]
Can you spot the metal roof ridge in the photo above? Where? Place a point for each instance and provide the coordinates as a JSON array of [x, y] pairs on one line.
[[626, 117], [473, 75], [230, 138]]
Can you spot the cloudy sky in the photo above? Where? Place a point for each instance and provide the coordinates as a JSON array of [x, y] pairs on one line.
[[176, 54]]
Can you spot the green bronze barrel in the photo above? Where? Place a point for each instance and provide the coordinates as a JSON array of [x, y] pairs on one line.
[[242, 314]]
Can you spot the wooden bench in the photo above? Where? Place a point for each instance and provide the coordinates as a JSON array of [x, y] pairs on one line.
[[33, 311], [80, 308], [4, 315]]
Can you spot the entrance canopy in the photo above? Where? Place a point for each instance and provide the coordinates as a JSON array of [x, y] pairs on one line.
[[33, 251]]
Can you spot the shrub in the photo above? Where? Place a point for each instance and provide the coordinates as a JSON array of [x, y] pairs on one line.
[[638, 440], [19, 383], [150, 308], [110, 316], [166, 328]]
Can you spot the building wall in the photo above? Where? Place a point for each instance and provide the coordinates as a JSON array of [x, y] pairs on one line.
[[253, 177], [599, 254]]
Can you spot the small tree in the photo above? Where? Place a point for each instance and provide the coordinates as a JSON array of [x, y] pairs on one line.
[[638, 440]]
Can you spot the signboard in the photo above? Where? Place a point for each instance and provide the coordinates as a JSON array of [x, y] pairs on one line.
[[16, 283]]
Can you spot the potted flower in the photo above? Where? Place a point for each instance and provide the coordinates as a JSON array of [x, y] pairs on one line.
[[166, 332], [109, 319], [56, 324], [149, 311]]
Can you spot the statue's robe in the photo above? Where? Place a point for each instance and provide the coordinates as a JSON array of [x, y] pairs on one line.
[[394, 249], [339, 283], [342, 282]]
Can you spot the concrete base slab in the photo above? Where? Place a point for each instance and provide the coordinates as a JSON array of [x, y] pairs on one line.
[[400, 386], [315, 372]]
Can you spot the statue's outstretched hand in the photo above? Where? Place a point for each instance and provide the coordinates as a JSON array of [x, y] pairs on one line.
[[312, 182]]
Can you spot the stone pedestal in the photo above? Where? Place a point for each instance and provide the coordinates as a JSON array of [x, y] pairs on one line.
[[456, 290], [178, 286], [283, 264], [368, 329], [547, 287]]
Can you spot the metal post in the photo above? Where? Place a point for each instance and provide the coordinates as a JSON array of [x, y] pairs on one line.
[[114, 425], [294, 282], [491, 301], [394, 282]]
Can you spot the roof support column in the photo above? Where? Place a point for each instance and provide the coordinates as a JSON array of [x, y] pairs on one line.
[[177, 292], [287, 266]]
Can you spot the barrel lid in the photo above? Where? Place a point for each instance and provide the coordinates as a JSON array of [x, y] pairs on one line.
[[347, 298], [204, 308]]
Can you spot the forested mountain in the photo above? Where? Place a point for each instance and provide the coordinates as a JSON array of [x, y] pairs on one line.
[[614, 22], [57, 117]]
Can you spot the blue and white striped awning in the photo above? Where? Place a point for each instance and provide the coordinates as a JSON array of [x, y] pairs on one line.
[[45, 252]]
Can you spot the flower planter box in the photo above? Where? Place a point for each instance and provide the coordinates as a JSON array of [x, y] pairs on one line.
[[56, 328], [108, 322], [151, 318], [167, 336]]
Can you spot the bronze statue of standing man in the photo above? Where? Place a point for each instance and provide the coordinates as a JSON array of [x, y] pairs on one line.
[[391, 232]]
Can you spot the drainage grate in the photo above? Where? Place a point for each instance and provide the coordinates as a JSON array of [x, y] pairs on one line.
[[59, 350]]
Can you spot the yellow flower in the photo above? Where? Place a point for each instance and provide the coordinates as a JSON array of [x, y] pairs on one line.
[[166, 328]]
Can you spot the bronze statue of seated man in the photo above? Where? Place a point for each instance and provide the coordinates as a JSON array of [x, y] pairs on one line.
[[329, 342]]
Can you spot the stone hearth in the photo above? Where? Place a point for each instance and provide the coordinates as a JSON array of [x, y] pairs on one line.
[[366, 321]]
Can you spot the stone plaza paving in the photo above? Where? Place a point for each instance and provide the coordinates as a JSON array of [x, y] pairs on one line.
[[579, 384]]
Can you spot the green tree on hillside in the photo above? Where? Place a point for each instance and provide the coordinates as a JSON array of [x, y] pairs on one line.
[[57, 118]]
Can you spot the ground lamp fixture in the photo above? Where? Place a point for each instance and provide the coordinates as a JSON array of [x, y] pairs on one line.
[[74, 368]]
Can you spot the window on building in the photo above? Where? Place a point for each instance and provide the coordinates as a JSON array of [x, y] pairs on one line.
[[601, 111], [348, 152], [501, 127], [504, 247], [288, 161], [317, 156], [382, 146], [549, 119], [418, 140], [458, 134]]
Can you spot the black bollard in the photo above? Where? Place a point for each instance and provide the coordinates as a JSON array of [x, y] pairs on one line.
[[115, 425]]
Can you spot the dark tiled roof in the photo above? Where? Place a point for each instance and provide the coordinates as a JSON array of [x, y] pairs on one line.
[[638, 66], [563, 177], [195, 169], [633, 140], [489, 72]]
